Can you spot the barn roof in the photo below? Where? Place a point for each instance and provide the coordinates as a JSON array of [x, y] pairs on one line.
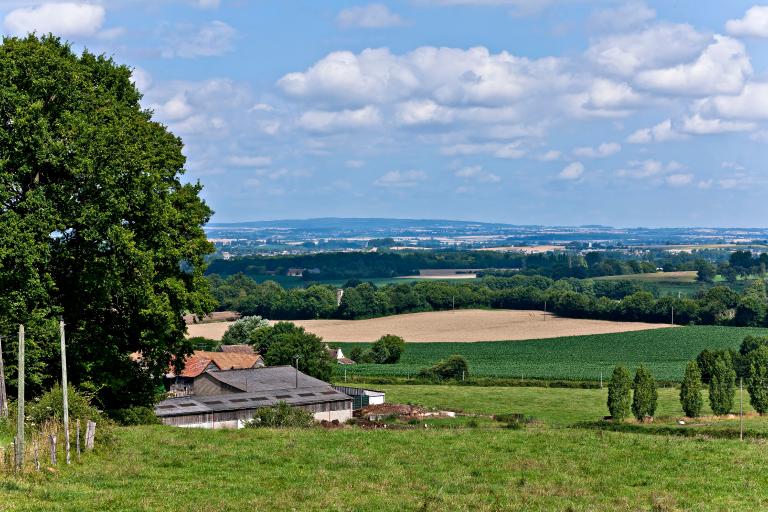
[[197, 363], [239, 349], [262, 387]]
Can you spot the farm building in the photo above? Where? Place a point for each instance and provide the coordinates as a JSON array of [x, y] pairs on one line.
[[225, 399], [362, 397], [337, 355], [201, 362]]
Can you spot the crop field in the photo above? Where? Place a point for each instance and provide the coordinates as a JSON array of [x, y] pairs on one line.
[[464, 325], [664, 351], [684, 276], [151, 468]]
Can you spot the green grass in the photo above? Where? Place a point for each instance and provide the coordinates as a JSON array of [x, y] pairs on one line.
[[161, 468], [553, 406], [664, 351]]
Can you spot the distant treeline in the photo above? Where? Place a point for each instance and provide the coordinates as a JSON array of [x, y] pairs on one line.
[[360, 265], [576, 298]]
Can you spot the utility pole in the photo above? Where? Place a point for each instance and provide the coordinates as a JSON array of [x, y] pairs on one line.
[[3, 395], [296, 358], [64, 386], [673, 315], [20, 418]]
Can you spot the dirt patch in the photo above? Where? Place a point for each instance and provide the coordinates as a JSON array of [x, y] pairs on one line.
[[451, 326]]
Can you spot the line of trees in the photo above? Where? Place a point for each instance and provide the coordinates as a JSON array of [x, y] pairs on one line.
[[576, 298]]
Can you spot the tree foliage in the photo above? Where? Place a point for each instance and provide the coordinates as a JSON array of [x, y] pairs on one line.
[[243, 330], [454, 367], [644, 394], [722, 386], [95, 223], [386, 350], [619, 393], [690, 391], [281, 415], [757, 380], [281, 343]]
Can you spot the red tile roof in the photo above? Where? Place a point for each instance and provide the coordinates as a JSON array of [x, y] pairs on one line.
[[197, 363]]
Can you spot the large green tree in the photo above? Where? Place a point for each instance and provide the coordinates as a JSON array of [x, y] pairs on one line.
[[96, 224]]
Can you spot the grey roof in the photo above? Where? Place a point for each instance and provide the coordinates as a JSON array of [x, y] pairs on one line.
[[182, 406], [266, 378], [265, 387]]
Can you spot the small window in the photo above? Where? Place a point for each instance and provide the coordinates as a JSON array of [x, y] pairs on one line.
[[259, 399], [188, 404], [306, 394], [238, 400], [328, 393], [166, 406], [282, 396], [213, 402]]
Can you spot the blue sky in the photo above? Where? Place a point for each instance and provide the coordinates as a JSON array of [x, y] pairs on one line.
[[519, 111]]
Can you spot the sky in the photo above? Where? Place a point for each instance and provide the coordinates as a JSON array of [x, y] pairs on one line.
[[625, 113]]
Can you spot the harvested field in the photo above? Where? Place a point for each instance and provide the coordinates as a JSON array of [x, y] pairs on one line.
[[681, 276], [451, 326]]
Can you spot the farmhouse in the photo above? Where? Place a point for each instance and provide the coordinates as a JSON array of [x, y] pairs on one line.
[[337, 355], [201, 362], [226, 399]]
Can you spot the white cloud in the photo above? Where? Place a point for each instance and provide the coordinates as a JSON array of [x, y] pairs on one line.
[[751, 103], [209, 40], [141, 78], [732, 165], [698, 125], [610, 94], [549, 156], [208, 4], [261, 107], [603, 150], [722, 68], [572, 171], [400, 179], [658, 46], [679, 180], [250, 161], [622, 17], [661, 132], [418, 112], [368, 16], [754, 23], [512, 150], [477, 173], [66, 19], [354, 164], [330, 121], [647, 168]]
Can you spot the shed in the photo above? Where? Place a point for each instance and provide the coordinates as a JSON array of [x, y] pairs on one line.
[[362, 397]]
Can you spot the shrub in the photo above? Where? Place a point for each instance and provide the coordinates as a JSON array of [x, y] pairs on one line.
[[356, 354], [281, 415], [137, 415], [722, 386], [282, 342], [644, 394], [707, 359], [386, 350], [757, 381], [690, 391], [453, 368], [242, 331], [619, 396]]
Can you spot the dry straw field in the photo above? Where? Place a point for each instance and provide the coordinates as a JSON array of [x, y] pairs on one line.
[[451, 326]]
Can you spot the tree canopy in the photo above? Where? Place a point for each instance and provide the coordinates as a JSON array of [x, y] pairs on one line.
[[96, 224]]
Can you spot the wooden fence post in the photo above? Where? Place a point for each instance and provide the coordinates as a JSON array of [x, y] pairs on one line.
[[37, 457], [3, 395], [15, 454], [52, 441], [77, 439], [20, 419], [90, 434], [64, 388]]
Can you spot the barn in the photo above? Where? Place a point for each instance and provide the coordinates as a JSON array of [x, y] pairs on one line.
[[225, 399]]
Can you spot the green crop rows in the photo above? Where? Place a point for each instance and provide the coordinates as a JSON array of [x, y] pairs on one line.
[[664, 351]]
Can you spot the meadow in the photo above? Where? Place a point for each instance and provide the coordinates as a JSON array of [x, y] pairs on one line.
[[664, 351], [536, 468]]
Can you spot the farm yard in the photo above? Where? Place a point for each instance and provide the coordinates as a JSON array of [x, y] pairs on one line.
[[468, 325], [664, 351]]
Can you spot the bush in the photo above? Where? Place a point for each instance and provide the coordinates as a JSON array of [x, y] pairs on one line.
[[722, 386], [282, 342], [386, 350], [757, 381], [690, 391], [281, 415], [137, 415], [619, 395], [644, 394], [242, 331], [453, 368]]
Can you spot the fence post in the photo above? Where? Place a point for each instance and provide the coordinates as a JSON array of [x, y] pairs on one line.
[[37, 458], [77, 439], [90, 434], [52, 441], [15, 453], [20, 419], [3, 395], [64, 388]]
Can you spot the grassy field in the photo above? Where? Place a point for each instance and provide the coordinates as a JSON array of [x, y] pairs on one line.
[[161, 468], [297, 282], [553, 406], [683, 283], [664, 351]]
